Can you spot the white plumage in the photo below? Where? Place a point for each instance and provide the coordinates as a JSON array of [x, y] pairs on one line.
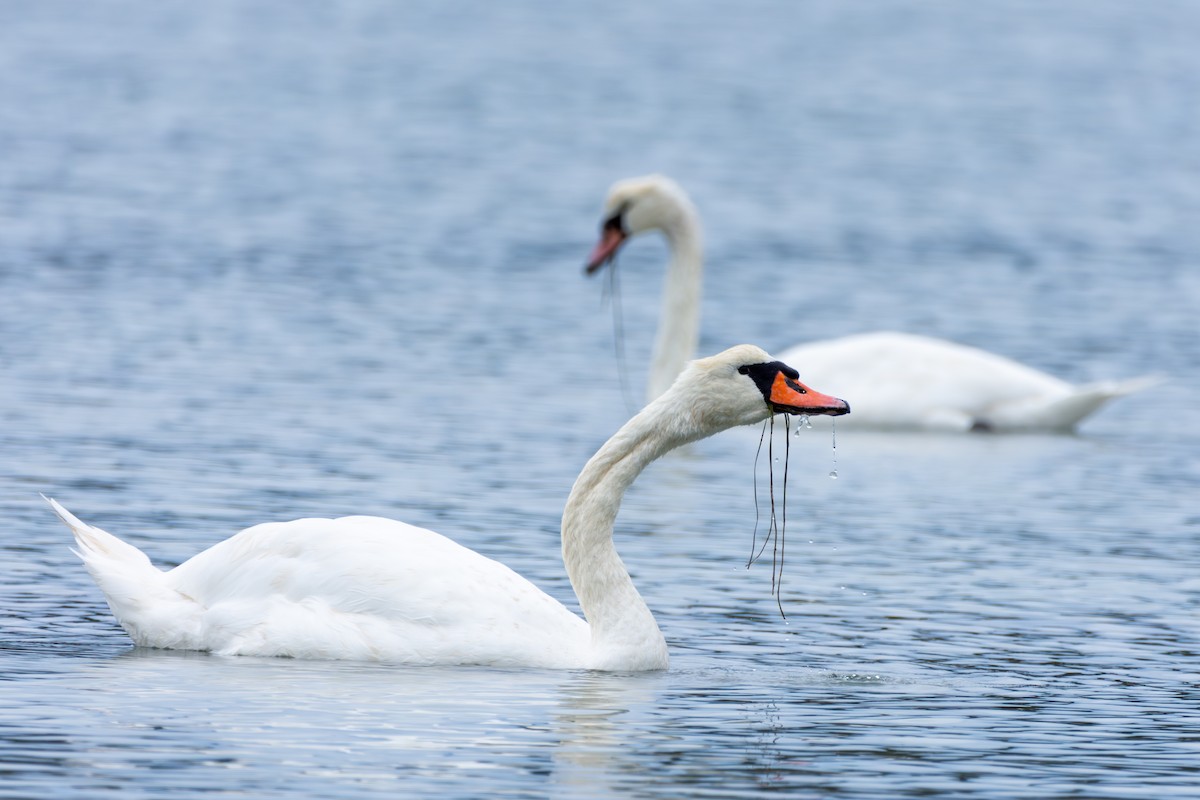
[[361, 587], [900, 380], [893, 380], [377, 589]]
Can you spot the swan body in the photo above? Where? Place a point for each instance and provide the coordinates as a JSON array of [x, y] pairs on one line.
[[363, 588], [369, 588], [960, 388], [896, 380]]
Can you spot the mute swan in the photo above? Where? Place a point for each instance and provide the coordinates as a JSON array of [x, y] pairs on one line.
[[896, 380], [375, 589]]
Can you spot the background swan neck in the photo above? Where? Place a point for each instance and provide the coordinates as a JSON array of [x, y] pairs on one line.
[[624, 633], [679, 322]]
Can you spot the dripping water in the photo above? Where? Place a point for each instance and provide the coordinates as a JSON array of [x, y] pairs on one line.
[[833, 473], [802, 422]]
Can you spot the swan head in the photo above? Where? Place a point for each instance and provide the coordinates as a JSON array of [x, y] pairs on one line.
[[744, 385], [637, 205]]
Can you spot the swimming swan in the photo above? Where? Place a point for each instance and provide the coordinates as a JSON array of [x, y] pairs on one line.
[[370, 588], [896, 380]]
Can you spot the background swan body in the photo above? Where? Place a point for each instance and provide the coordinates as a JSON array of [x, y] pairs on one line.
[[958, 388], [370, 588], [895, 380]]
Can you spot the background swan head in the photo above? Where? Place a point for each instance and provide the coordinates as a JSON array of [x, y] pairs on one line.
[[744, 385], [637, 205]]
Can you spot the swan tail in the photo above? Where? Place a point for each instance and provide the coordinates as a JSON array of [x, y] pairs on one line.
[[1122, 388], [139, 594], [1065, 413]]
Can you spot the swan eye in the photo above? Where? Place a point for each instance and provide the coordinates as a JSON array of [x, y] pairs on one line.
[[616, 220], [743, 370]]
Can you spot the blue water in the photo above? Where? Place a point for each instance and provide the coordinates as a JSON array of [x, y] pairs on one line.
[[280, 259]]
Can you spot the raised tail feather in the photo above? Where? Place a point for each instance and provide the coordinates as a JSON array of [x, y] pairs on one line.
[[98, 546], [137, 592]]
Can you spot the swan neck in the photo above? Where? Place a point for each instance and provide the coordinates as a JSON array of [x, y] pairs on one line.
[[624, 632], [679, 326]]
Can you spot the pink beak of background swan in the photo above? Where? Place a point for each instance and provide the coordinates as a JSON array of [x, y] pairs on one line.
[[611, 239]]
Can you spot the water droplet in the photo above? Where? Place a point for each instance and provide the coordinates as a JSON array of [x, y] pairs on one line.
[[833, 472], [807, 423]]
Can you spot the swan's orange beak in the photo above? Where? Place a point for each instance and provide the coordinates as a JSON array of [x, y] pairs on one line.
[[793, 397], [611, 239]]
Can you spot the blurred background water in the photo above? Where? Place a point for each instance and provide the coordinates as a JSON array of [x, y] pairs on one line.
[[279, 259]]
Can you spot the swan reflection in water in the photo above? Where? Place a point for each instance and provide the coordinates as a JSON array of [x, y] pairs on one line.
[[214, 718]]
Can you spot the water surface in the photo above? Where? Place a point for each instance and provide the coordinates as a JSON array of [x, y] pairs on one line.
[[280, 260]]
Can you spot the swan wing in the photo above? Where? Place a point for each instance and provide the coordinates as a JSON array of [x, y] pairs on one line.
[[371, 588], [903, 380]]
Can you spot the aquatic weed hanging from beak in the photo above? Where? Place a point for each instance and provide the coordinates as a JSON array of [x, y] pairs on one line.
[[612, 293], [776, 534]]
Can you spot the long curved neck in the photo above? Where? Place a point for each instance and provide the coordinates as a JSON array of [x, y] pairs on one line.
[[679, 323], [624, 633]]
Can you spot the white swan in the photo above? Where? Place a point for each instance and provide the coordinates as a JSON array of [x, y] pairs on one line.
[[376, 589], [896, 380]]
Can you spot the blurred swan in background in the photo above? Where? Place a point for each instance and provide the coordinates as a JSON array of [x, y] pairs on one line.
[[895, 380], [377, 589]]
